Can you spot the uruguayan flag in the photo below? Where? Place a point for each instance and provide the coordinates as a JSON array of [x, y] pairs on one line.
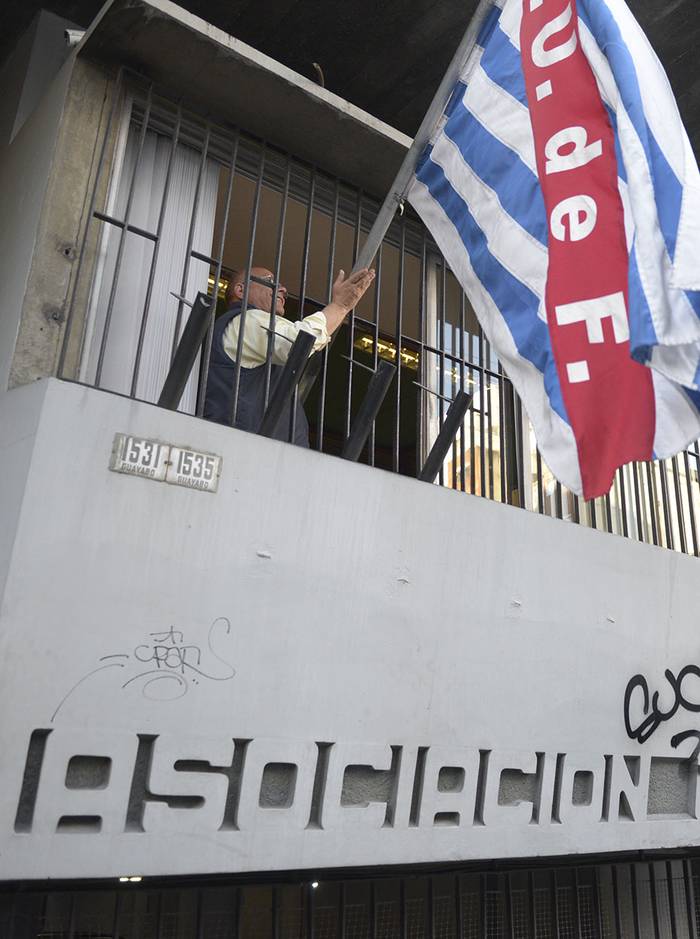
[[513, 188]]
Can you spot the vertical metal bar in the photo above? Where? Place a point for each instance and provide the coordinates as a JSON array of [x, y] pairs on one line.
[[399, 331], [440, 330], [422, 436], [450, 427], [375, 344], [637, 501], [489, 416], [122, 239], [665, 502], [598, 901], [554, 905], [508, 930], [246, 287], [623, 501], [616, 902], [558, 507], [71, 918], [204, 372], [431, 909], [117, 910], [576, 905], [351, 321], [679, 504], [403, 926], [302, 288], [540, 490], [156, 252], [278, 265], [238, 910], [654, 902], [116, 96], [502, 435], [482, 404], [342, 926], [372, 911], [462, 431], [190, 237], [690, 908], [275, 913], [533, 905], [608, 511], [459, 909], [671, 900], [482, 906], [199, 915], [691, 505], [287, 382], [159, 915], [364, 420], [591, 506], [329, 294], [651, 491], [635, 901]]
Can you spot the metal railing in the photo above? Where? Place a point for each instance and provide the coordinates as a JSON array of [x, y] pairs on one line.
[[179, 202], [644, 900]]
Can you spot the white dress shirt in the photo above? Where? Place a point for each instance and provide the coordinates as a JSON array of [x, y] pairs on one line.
[[256, 336]]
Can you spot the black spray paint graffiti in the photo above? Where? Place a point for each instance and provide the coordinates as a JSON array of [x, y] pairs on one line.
[[166, 664], [653, 715]]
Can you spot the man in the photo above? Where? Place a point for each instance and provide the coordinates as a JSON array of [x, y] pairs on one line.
[[346, 294]]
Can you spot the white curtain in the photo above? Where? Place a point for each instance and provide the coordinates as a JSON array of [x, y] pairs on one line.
[[137, 256]]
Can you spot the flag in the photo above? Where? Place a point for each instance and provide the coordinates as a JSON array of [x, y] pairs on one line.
[[563, 192]]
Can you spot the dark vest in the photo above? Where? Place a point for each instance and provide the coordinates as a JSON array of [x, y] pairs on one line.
[[218, 402]]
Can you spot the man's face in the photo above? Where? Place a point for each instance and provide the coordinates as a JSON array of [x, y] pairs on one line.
[[260, 296]]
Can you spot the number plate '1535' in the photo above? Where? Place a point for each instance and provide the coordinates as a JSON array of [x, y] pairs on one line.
[[165, 462]]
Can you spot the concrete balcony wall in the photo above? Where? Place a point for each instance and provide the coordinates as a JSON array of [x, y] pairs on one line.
[[319, 665]]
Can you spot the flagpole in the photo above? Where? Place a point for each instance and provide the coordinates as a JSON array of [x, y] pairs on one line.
[[396, 194]]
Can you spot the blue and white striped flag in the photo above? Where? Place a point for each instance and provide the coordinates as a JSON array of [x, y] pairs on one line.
[[562, 189]]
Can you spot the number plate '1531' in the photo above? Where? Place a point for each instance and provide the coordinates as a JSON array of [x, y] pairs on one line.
[[165, 462]]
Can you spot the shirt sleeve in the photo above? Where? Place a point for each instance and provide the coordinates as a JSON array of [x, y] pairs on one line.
[[256, 336]]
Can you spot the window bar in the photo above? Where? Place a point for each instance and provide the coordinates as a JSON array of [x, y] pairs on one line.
[[540, 489], [654, 901], [519, 449], [342, 930], [508, 929], [558, 506], [71, 918], [329, 294], [459, 910], [533, 905], [598, 902], [309, 912], [238, 910], [372, 911], [199, 916], [431, 910], [689, 899], [122, 238], [462, 433], [246, 285], [608, 511], [399, 329], [665, 502], [691, 507], [637, 501], [117, 910], [351, 320], [440, 330], [302, 286], [482, 906], [190, 238], [122, 226], [403, 925], [116, 96], [204, 371], [475, 376], [635, 903], [622, 489], [592, 509], [653, 504], [421, 421], [671, 900], [678, 494], [616, 902], [482, 436], [554, 903], [489, 418], [278, 265], [275, 913], [502, 436], [154, 256], [576, 905], [375, 351]]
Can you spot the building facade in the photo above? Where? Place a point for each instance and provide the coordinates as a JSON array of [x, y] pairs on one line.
[[254, 690]]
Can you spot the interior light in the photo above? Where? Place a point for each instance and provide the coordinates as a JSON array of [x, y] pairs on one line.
[[135, 880], [123, 880], [314, 884]]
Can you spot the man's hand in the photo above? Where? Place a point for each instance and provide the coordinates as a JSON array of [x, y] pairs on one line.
[[347, 293]]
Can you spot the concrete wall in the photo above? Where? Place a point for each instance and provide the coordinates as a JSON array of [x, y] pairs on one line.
[[24, 174], [322, 665]]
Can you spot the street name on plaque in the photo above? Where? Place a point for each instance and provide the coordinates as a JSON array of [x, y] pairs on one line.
[[165, 462]]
